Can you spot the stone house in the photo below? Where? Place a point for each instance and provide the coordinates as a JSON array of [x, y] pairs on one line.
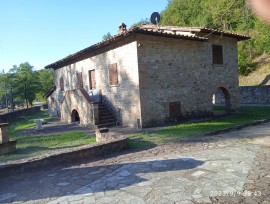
[[146, 76]]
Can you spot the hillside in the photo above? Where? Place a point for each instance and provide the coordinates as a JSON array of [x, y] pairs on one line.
[[261, 76]]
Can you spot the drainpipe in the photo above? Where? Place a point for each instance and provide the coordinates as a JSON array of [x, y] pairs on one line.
[[118, 116]]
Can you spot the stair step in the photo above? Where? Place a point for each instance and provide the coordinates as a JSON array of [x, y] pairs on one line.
[[102, 108], [101, 115], [103, 112], [104, 117], [106, 121]]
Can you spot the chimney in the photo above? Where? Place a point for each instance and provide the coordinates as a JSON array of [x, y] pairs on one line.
[[122, 28]]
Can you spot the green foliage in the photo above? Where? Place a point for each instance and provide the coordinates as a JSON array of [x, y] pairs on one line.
[[24, 84], [244, 61], [106, 36], [25, 81], [227, 15], [46, 80], [262, 37]]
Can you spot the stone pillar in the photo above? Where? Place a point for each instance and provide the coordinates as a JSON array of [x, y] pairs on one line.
[[39, 124], [103, 135], [4, 136], [6, 145]]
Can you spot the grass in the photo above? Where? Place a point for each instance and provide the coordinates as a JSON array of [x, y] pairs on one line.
[[169, 134], [27, 122], [260, 76], [28, 146]]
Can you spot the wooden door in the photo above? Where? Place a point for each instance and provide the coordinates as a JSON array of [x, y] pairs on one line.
[[92, 79], [175, 111]]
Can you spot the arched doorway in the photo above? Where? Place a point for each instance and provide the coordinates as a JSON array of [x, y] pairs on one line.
[[221, 101], [75, 117]]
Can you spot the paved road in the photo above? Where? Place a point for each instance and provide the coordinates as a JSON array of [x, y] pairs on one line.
[[226, 168]]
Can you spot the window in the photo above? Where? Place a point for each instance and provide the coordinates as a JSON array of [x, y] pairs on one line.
[[61, 84], [92, 79], [217, 54], [113, 74], [79, 80]]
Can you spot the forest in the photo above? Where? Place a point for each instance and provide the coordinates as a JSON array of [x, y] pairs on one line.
[[226, 15]]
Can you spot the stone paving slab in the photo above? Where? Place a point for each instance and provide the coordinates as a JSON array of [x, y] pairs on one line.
[[168, 178], [171, 178], [194, 171]]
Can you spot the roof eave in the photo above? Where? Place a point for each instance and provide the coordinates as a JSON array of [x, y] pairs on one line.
[[226, 34], [114, 39]]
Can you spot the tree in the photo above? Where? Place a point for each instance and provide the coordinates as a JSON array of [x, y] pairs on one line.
[[142, 21], [106, 36], [5, 88], [25, 82], [46, 80]]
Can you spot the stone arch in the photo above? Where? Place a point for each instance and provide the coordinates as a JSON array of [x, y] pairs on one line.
[[221, 96], [75, 117]]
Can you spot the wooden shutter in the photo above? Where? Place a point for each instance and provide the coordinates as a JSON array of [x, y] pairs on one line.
[[61, 84], [217, 54], [79, 80], [175, 110], [113, 74], [92, 79]]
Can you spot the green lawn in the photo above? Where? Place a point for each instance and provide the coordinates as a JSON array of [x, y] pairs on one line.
[[246, 115], [28, 146]]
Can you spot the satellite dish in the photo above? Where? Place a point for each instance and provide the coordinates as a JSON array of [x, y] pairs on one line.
[[155, 18]]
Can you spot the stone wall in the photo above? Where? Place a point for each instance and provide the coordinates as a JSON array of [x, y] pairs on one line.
[[173, 70], [154, 72], [12, 116], [122, 99], [75, 100], [53, 106], [77, 154], [248, 95]]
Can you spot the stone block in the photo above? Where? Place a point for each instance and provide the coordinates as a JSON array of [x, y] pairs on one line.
[[8, 147], [39, 124], [4, 135], [103, 135]]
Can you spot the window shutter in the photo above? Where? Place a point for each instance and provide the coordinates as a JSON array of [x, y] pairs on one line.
[[92, 79], [79, 79], [113, 74], [217, 54]]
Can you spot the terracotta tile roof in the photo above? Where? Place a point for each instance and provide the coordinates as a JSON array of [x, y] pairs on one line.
[[188, 33], [194, 30]]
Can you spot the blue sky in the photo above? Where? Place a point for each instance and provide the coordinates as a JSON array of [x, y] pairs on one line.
[[44, 31]]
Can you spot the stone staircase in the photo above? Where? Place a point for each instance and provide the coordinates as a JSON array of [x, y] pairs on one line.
[[106, 118]]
